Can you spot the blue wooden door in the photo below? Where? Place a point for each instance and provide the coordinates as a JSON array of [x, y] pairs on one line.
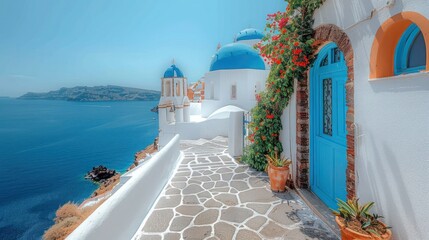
[[328, 132]]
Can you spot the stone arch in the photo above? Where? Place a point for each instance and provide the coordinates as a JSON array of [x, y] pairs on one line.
[[386, 39], [324, 34]]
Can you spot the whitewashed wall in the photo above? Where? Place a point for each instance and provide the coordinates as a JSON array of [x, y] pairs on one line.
[[245, 80], [121, 215], [392, 115], [288, 134], [207, 129], [210, 106], [195, 108]]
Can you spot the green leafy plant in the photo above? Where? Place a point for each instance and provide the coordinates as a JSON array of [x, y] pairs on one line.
[[289, 47], [359, 218], [278, 161]]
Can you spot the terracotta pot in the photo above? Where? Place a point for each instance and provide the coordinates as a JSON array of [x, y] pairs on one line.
[[349, 234], [278, 177]]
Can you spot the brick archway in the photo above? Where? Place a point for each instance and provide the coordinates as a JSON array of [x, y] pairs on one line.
[[324, 34]]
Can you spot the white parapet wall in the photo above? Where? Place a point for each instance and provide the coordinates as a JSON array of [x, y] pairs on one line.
[[195, 108], [121, 215], [207, 129], [217, 124], [235, 134]]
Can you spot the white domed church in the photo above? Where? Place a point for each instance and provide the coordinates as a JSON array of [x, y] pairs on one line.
[[237, 73]]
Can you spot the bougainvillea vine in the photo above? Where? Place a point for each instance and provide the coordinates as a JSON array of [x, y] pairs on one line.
[[289, 47]]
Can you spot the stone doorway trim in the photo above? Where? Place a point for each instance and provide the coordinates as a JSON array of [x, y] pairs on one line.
[[324, 34]]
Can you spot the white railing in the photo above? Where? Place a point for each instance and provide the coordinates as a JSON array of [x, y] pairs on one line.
[[121, 215]]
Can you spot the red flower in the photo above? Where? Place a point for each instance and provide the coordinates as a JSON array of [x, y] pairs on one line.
[[251, 138], [283, 22], [272, 15], [297, 51], [275, 37], [296, 44], [270, 116]]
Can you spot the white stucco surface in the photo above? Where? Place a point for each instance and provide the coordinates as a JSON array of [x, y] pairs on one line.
[[121, 215], [195, 108], [218, 89], [216, 124], [235, 134], [288, 134], [391, 115], [208, 128], [225, 112]]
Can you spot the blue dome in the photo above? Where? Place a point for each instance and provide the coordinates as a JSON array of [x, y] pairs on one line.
[[237, 56], [173, 72], [249, 34]]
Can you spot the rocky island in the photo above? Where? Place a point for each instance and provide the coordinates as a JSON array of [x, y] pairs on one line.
[[100, 174], [94, 94]]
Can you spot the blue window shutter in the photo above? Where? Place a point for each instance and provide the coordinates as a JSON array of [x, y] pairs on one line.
[[410, 53]]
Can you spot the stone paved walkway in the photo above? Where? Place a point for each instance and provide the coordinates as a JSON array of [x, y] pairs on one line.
[[212, 196]]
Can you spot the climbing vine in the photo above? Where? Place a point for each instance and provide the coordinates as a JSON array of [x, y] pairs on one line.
[[289, 47]]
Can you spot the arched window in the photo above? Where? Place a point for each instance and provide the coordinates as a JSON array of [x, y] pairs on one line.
[[234, 92], [410, 53], [168, 89], [177, 89]]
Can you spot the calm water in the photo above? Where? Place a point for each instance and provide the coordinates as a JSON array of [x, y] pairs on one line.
[[46, 147]]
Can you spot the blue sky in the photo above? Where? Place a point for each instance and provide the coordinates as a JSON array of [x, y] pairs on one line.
[[48, 44]]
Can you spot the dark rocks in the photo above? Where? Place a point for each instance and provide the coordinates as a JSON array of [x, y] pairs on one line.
[[100, 174], [154, 109]]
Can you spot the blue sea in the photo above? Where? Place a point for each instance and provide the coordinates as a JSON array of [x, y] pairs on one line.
[[46, 147]]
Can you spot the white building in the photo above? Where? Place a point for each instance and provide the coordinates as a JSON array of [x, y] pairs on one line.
[[237, 73], [369, 138]]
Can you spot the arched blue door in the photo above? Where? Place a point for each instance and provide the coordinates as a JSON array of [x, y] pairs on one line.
[[328, 132]]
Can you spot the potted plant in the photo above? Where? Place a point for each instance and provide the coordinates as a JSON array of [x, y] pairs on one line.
[[356, 222], [278, 172]]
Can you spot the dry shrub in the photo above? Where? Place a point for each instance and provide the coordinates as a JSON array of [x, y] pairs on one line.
[[62, 229], [68, 210], [68, 218]]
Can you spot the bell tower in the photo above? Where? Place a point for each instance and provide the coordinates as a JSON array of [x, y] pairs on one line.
[[174, 103]]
